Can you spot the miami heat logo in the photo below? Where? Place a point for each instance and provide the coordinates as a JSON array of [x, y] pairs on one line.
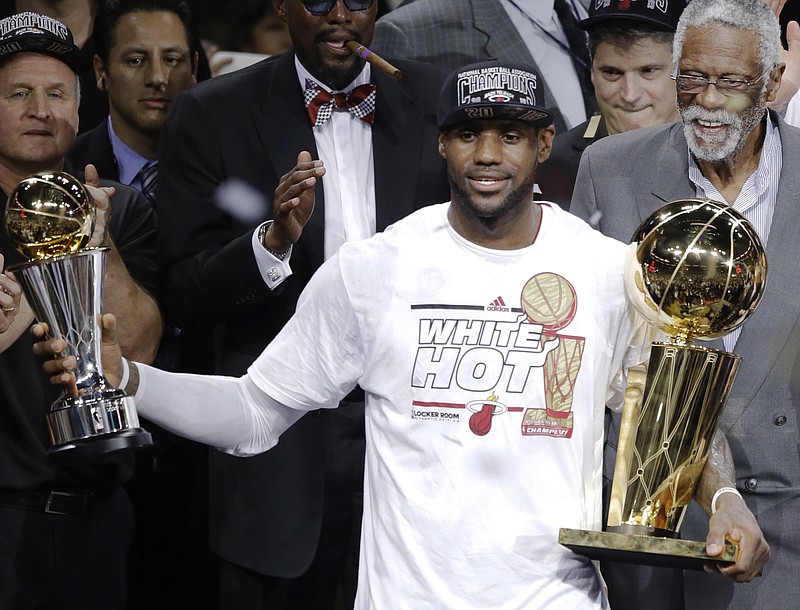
[[480, 422]]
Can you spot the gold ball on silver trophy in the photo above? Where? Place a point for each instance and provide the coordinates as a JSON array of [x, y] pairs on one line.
[[49, 214], [50, 217]]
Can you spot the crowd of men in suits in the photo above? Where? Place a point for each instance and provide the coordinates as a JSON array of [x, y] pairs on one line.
[[211, 161]]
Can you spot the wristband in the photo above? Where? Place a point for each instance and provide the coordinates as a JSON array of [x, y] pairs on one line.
[[126, 373], [719, 492]]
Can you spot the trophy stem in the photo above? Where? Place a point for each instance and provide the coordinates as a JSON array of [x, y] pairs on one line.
[[664, 440]]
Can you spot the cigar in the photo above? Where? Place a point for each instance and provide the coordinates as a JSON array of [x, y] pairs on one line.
[[367, 55]]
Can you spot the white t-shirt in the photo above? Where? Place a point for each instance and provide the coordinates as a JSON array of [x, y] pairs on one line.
[[472, 464]]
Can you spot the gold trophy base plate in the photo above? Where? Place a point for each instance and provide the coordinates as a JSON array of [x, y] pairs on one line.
[[644, 550]]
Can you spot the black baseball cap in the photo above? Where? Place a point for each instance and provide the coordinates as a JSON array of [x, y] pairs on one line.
[[493, 90], [663, 14], [35, 33]]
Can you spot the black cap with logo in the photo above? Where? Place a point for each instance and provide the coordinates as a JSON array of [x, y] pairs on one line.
[[493, 90], [663, 14], [35, 33]]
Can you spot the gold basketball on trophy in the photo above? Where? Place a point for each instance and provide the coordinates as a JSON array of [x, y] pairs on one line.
[[49, 214], [699, 269]]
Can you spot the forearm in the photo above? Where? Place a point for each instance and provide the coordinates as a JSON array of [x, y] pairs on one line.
[[225, 412], [140, 324], [719, 472]]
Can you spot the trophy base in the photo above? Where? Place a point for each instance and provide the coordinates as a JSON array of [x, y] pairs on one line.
[[644, 550], [105, 445]]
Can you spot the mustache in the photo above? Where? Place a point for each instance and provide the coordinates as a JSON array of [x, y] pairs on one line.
[[338, 31], [719, 115]]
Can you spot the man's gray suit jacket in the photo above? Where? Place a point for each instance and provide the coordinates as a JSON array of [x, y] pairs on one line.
[[454, 33], [626, 177]]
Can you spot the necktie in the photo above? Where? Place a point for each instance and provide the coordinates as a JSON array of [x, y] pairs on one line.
[[149, 178], [360, 102]]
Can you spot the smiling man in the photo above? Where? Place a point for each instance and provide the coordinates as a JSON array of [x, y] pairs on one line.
[[631, 48], [470, 467], [730, 147], [143, 61]]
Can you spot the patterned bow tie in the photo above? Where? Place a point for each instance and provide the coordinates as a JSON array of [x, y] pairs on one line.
[[360, 102]]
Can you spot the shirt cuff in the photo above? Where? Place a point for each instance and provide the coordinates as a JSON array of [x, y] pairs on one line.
[[273, 270]]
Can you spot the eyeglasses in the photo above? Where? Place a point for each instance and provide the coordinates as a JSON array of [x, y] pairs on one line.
[[726, 86], [323, 7]]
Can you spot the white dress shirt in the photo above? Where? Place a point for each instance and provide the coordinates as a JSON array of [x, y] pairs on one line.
[[756, 201]]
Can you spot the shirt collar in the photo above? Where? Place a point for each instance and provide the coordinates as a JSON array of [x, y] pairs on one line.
[[129, 162], [303, 75]]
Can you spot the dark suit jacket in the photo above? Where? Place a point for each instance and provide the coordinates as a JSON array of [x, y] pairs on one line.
[[556, 176], [250, 126], [629, 176], [95, 147]]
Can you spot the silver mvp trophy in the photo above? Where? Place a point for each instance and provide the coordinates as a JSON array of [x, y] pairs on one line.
[[50, 218], [697, 270]]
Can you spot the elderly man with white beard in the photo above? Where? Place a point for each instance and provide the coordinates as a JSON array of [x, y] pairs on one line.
[[729, 147]]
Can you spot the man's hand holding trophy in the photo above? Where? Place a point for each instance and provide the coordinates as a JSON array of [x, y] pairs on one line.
[[51, 218]]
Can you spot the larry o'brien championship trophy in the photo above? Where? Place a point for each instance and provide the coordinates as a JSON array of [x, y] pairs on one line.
[[50, 218], [696, 269]]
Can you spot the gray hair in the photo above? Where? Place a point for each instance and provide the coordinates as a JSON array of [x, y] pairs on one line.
[[753, 15]]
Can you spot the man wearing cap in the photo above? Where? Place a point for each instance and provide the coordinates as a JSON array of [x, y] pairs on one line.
[[730, 147], [630, 44], [449, 320], [79, 17], [64, 534]]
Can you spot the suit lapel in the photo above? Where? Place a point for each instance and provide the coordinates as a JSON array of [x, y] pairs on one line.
[[284, 130], [765, 334], [100, 149], [502, 38], [396, 141]]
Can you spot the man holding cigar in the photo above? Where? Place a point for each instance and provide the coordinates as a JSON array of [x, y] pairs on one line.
[[286, 524], [469, 477]]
